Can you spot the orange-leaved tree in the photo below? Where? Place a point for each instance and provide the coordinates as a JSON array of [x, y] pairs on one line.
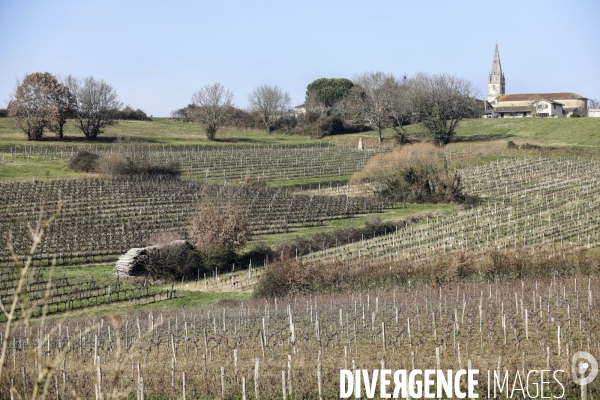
[[40, 102]]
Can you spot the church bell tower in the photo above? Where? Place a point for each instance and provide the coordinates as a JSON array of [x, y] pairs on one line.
[[496, 85]]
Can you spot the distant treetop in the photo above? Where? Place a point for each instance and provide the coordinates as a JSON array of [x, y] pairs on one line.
[[328, 91]]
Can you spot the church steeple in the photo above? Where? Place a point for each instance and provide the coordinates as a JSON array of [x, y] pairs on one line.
[[496, 86]]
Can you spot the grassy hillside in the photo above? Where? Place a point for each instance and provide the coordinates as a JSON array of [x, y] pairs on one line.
[[581, 132], [486, 137], [159, 131], [577, 132], [563, 132]]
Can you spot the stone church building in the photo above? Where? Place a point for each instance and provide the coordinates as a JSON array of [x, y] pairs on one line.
[[540, 105]]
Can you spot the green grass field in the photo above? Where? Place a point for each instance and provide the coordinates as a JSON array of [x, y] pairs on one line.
[[159, 131], [559, 132], [562, 132], [20, 168]]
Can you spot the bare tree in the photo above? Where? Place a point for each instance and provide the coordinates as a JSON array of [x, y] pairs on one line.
[[218, 228], [441, 102], [400, 108], [372, 98], [63, 103], [40, 102], [213, 105], [270, 103], [96, 105], [173, 259], [314, 105], [593, 103]]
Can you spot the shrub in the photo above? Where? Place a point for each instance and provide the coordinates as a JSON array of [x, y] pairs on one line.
[[529, 146], [3, 113], [329, 126], [183, 114], [310, 117], [291, 277], [115, 164], [119, 165], [373, 222], [174, 260], [525, 146], [354, 127], [311, 124], [129, 113], [257, 254], [285, 124], [172, 170], [415, 174], [83, 161], [217, 230]]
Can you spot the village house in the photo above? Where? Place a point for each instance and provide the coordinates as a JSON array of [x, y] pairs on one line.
[[300, 110], [540, 105]]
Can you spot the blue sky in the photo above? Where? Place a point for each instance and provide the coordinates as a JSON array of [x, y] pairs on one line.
[[157, 53]]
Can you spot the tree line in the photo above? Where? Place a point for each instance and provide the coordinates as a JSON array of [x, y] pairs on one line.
[[42, 102], [369, 101], [212, 106]]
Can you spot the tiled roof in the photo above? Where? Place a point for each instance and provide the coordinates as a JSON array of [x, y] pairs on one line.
[[551, 101], [533, 96]]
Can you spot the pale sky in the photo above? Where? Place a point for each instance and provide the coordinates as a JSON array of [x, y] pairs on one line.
[[157, 53]]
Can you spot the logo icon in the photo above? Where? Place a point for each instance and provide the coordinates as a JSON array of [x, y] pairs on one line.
[[584, 368]]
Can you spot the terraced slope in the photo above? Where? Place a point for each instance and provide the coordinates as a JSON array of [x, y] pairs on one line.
[[102, 218], [232, 164], [535, 203]]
